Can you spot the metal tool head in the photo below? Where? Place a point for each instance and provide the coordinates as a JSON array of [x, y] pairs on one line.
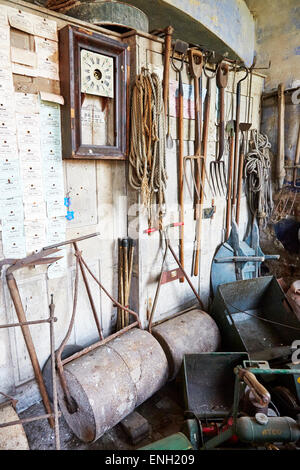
[[180, 47], [217, 174], [222, 75], [245, 126], [230, 127], [194, 160]]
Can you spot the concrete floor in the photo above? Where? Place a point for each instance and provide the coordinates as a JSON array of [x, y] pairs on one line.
[[164, 412]]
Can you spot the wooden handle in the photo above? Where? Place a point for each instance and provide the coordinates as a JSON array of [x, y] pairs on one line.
[[229, 186], [280, 136], [260, 391], [125, 254], [221, 123], [180, 178], [205, 141], [168, 40], [236, 142], [239, 185], [198, 125]]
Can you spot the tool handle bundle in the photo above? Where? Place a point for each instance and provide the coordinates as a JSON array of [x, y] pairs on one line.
[[126, 250], [257, 171], [147, 157]]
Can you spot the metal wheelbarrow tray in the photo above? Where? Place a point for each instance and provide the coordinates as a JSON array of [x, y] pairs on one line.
[[209, 383], [252, 317]]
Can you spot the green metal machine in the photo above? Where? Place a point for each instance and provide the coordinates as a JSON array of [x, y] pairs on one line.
[[258, 430]]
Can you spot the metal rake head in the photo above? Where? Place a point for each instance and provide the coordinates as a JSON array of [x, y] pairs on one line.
[[217, 176], [285, 204]]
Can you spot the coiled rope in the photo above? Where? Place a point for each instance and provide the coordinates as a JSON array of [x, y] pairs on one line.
[[147, 156], [257, 171]]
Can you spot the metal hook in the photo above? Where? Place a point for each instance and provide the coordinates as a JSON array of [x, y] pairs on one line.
[[183, 54], [206, 74], [243, 67]]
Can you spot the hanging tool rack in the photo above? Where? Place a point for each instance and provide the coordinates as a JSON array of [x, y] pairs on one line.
[[52, 415]]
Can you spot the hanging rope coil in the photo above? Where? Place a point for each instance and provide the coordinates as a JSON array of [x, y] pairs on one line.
[[147, 156], [257, 171]]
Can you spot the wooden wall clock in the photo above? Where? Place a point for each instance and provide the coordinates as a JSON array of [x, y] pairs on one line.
[[94, 83]]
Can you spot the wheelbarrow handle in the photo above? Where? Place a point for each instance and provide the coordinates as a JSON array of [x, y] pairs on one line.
[[272, 257], [240, 259]]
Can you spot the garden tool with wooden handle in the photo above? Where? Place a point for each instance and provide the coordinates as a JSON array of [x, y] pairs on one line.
[[180, 48], [196, 64], [203, 172], [217, 167], [167, 53], [236, 142]]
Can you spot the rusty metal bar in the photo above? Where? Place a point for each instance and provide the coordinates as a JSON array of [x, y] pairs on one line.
[[70, 403], [28, 420], [53, 371], [115, 302], [15, 295], [34, 322], [99, 343], [73, 240], [11, 399], [186, 276], [88, 290]]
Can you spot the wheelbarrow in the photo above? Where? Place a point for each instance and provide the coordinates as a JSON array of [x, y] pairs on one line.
[[237, 260], [255, 317]]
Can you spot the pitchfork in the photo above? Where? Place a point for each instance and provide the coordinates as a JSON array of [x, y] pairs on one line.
[[217, 168]]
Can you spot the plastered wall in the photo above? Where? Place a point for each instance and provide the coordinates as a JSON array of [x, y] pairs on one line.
[[277, 26], [102, 201]]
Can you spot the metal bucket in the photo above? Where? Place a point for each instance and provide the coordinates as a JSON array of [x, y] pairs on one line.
[[109, 382], [189, 333]]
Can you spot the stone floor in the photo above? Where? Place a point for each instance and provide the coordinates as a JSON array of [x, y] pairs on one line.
[[164, 412]]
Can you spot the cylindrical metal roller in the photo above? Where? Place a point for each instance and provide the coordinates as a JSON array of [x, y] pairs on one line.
[[189, 333], [109, 382], [145, 359]]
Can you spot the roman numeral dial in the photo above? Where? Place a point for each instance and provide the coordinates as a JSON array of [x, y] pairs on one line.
[[97, 74]]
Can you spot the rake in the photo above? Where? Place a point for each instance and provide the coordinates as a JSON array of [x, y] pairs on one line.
[[288, 193]]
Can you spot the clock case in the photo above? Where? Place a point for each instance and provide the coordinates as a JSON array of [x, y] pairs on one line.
[[71, 40]]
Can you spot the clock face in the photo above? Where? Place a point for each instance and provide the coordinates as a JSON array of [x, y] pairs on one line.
[[97, 74]]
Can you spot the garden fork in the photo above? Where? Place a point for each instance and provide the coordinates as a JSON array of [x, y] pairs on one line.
[[217, 167]]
